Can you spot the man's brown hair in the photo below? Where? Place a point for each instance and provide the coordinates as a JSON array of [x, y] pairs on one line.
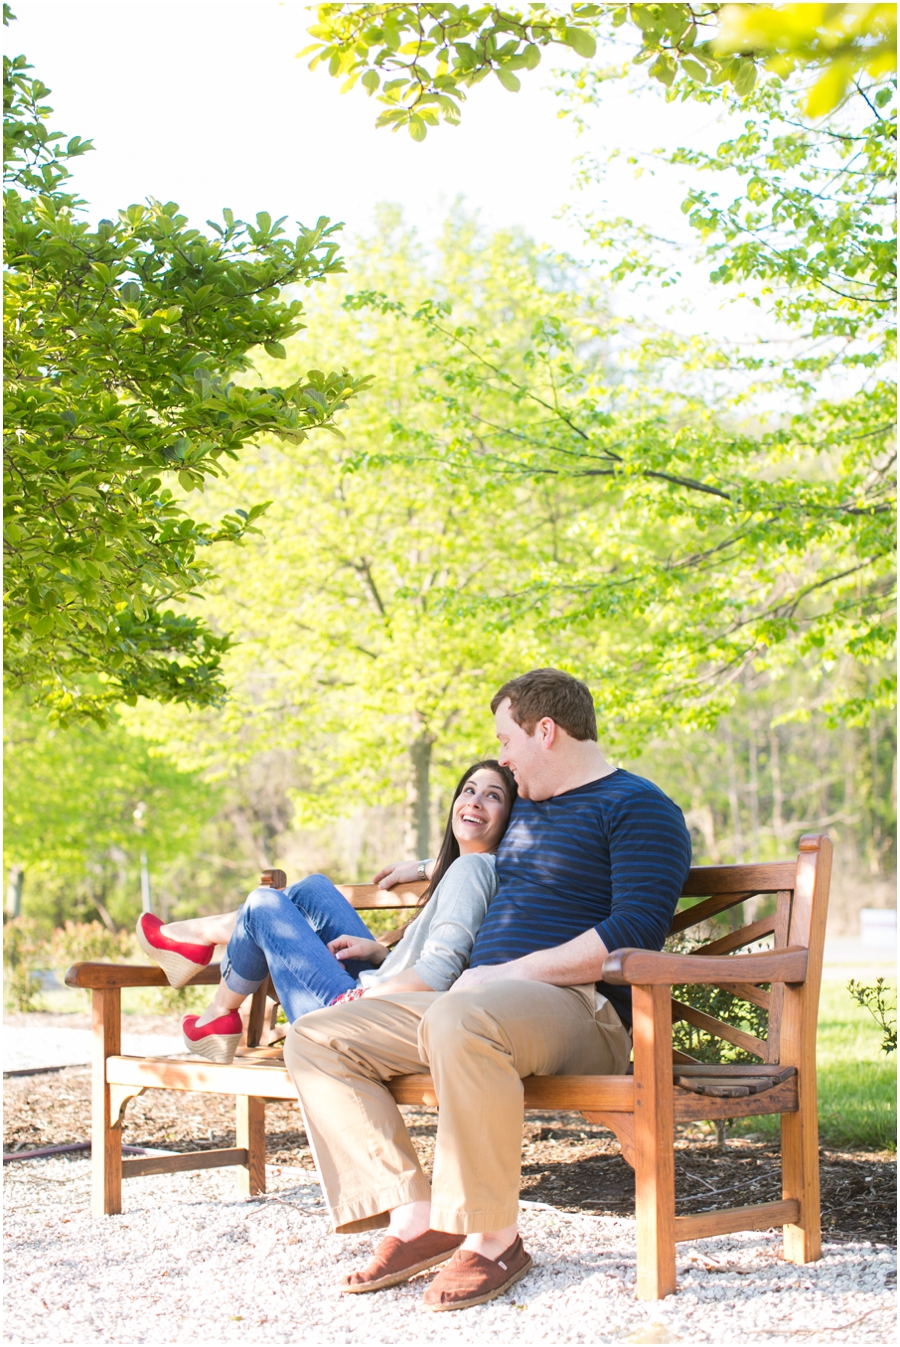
[[552, 693]]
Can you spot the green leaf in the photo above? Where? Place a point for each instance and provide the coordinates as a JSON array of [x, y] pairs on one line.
[[694, 69], [582, 42], [371, 80], [275, 348], [745, 78], [417, 128], [508, 80]]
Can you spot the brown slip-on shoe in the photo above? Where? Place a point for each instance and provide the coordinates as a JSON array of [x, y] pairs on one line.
[[471, 1279], [396, 1260]]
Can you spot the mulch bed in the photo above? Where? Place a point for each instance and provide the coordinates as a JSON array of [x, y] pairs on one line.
[[566, 1162]]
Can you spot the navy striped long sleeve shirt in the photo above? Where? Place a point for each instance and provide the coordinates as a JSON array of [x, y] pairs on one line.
[[612, 855]]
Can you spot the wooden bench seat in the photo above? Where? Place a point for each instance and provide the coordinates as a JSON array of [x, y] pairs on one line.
[[641, 1109]]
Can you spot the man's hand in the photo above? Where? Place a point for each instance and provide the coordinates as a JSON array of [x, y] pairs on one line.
[[401, 872], [497, 972], [346, 947], [573, 964]]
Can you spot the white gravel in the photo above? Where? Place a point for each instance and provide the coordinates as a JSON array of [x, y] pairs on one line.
[[188, 1263], [35, 1046]]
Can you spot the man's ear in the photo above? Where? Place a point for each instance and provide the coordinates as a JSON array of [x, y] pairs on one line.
[[548, 731]]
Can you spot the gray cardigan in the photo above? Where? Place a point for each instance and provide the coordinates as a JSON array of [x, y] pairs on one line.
[[438, 943]]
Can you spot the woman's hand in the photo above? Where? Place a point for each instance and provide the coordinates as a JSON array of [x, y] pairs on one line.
[[355, 948], [402, 872]]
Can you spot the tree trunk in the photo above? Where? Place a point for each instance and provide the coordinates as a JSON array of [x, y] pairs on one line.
[[418, 797], [753, 791], [737, 835], [777, 796], [14, 886]]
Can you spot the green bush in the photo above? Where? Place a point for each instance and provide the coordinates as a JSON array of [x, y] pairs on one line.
[[22, 946]]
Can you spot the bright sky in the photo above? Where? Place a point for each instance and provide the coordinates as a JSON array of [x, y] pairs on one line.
[[204, 102]]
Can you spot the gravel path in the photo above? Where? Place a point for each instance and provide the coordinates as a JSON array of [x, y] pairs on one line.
[[188, 1263], [40, 1046]]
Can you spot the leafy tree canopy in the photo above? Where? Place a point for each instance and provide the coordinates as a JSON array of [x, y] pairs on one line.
[[420, 58], [122, 343], [753, 484]]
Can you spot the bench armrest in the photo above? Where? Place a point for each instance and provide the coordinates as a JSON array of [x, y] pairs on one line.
[[646, 968], [104, 976]]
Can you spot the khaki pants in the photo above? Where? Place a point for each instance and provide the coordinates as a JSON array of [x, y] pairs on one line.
[[478, 1045]]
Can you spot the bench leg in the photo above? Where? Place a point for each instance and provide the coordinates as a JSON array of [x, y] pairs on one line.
[[654, 1142], [106, 1134], [800, 1175], [251, 1135]]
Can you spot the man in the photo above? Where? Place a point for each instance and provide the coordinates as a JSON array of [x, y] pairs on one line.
[[594, 860]]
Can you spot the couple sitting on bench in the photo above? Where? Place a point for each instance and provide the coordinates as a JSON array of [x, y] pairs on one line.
[[552, 859]]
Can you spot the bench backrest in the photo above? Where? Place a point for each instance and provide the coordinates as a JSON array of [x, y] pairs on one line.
[[797, 893]]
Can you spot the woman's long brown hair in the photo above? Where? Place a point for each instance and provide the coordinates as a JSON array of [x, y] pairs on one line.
[[449, 851]]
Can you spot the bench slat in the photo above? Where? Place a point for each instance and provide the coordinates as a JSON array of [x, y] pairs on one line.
[[725, 1222]]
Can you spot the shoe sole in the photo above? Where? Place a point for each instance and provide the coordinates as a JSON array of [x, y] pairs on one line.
[[396, 1278], [218, 1048], [489, 1295], [177, 968]]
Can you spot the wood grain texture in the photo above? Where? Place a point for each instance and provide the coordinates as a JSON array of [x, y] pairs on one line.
[[700, 1020], [100, 975], [746, 935], [748, 992], [273, 879], [158, 1073], [251, 1137], [800, 1130], [766, 877], [710, 907], [256, 1020], [647, 968], [654, 1142], [702, 1108], [369, 897], [176, 1164], [119, 1096], [612, 1094], [782, 921], [106, 1134], [705, 1224]]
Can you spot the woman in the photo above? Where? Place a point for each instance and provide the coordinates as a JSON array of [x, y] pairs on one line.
[[314, 943]]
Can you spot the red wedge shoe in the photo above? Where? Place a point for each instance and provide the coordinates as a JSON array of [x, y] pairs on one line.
[[178, 960], [216, 1041]]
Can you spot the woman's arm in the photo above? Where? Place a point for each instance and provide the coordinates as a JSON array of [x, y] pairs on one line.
[[401, 872], [443, 941], [346, 947], [401, 982]]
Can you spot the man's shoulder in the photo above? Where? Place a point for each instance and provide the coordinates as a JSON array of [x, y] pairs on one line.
[[618, 788]]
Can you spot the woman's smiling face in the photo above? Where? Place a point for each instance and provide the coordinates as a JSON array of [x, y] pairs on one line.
[[481, 812]]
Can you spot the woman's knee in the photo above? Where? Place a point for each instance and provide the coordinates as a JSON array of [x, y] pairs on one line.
[[264, 899]]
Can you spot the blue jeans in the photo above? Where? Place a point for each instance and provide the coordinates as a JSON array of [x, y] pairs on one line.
[[286, 932]]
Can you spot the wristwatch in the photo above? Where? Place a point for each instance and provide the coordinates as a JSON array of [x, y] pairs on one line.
[[420, 868]]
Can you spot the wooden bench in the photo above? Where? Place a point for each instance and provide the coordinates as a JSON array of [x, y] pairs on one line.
[[641, 1109]]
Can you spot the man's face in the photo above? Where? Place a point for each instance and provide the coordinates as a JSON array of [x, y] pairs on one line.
[[526, 755]]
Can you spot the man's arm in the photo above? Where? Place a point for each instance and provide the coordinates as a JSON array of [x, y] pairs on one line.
[[570, 965]]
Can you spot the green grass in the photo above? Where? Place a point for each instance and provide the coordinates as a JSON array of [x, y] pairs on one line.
[[857, 1082]]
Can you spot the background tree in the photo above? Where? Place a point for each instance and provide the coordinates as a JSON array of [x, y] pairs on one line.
[[82, 803], [737, 543], [432, 53], [121, 344], [345, 660]]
